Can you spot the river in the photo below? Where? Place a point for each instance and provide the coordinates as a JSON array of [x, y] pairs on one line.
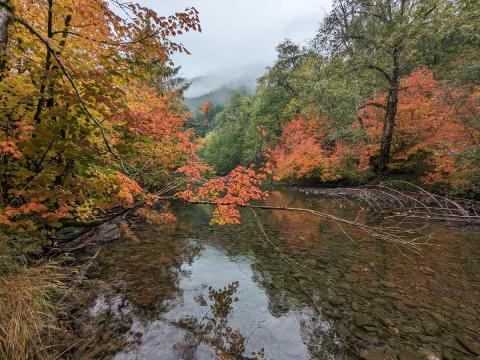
[[306, 291]]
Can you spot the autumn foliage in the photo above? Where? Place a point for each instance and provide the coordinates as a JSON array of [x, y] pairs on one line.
[[301, 154], [226, 193], [57, 162], [436, 130], [434, 119]]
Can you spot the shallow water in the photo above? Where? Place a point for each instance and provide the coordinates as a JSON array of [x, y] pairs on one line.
[[308, 291]]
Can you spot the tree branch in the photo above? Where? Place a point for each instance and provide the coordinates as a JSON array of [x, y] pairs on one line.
[[398, 235], [383, 72], [75, 88], [374, 104], [124, 43]]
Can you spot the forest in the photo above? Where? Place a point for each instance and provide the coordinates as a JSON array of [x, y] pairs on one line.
[[95, 131], [396, 98]]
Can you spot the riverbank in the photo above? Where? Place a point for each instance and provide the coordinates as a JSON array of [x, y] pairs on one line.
[[40, 287]]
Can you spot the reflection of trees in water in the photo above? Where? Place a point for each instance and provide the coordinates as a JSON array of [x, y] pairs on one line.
[[290, 289], [213, 328], [147, 276], [367, 289]]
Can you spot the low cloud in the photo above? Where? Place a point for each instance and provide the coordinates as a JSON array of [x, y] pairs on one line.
[[238, 33]]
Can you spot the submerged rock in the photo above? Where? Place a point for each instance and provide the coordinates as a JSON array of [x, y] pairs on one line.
[[409, 329], [393, 331], [337, 300], [343, 331], [427, 354], [372, 355], [439, 318], [387, 284], [378, 354], [363, 320], [386, 321], [406, 355], [431, 327], [351, 278], [468, 344], [355, 306]]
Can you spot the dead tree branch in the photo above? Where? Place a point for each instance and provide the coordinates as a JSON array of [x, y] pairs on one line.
[[418, 204]]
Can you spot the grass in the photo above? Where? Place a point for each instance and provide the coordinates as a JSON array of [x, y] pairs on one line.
[[27, 305]]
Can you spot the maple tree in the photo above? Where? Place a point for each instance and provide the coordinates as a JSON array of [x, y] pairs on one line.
[[432, 118], [226, 193], [301, 154], [82, 127]]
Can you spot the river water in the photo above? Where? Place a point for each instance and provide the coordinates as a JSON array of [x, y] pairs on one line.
[[302, 290]]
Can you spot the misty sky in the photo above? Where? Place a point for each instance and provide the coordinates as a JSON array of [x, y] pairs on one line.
[[241, 32]]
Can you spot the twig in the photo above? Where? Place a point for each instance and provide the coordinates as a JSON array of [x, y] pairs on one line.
[[391, 233], [81, 277]]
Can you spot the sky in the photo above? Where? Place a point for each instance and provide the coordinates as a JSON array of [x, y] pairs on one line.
[[240, 33]]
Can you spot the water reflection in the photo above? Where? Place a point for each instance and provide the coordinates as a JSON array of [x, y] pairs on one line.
[[200, 292]]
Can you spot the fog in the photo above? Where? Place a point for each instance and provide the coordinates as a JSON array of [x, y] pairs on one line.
[[239, 35]]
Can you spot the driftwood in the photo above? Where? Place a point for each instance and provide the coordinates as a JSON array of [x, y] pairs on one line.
[[400, 235], [101, 230], [417, 204]]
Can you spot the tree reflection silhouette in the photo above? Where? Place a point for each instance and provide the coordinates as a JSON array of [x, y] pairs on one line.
[[213, 328]]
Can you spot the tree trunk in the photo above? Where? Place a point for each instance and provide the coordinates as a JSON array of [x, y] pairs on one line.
[[388, 129], [5, 19], [390, 115]]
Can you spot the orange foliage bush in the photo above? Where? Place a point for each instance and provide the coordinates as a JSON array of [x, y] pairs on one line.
[[300, 153]]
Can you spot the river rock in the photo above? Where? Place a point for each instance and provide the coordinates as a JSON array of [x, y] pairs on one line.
[[447, 355], [344, 285], [333, 313], [334, 272], [387, 284], [431, 327], [426, 339], [363, 293], [427, 354], [108, 232], [468, 344], [337, 300], [406, 355], [351, 278], [450, 302], [298, 275], [386, 321], [372, 355], [400, 306], [439, 318], [393, 331], [378, 354], [343, 331], [370, 328], [409, 329], [366, 338], [362, 320]]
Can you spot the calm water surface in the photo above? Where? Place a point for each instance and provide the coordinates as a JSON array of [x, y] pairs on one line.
[[193, 291]]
